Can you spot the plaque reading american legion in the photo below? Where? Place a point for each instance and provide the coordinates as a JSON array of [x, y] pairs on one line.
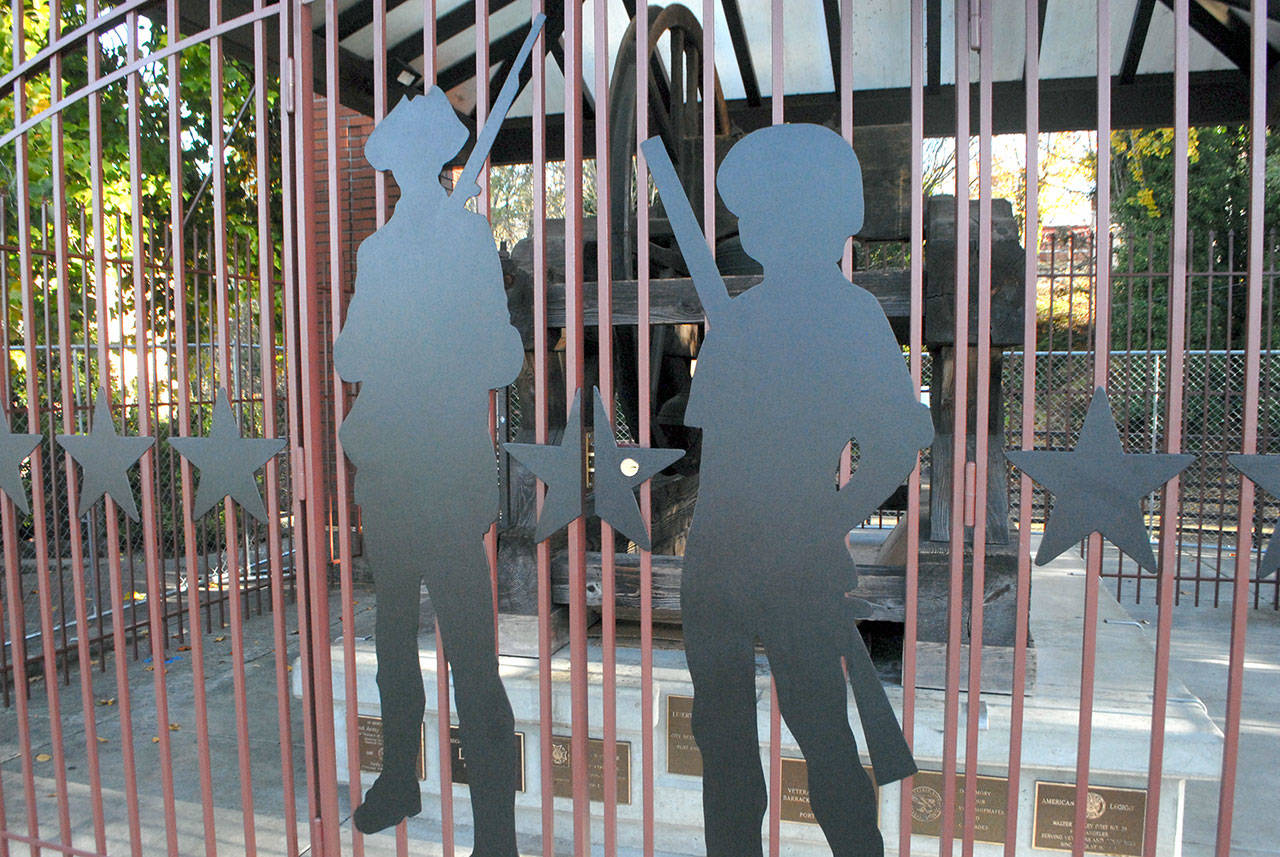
[[1114, 819]]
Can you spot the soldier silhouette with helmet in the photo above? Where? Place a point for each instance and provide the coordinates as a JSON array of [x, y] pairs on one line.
[[427, 336], [790, 371]]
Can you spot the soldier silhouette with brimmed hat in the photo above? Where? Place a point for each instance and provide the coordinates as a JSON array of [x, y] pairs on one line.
[[790, 371], [427, 336]]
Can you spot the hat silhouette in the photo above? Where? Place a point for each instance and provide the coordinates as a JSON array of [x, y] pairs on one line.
[[420, 135]]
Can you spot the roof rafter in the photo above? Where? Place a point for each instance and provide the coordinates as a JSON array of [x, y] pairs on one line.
[[1137, 39], [742, 50]]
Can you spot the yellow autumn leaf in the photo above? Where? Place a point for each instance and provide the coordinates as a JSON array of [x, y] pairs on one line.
[[43, 757]]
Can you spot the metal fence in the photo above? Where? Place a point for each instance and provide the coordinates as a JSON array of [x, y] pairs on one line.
[[281, 722]]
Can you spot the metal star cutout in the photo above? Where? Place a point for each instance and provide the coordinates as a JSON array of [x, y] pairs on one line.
[[619, 471], [561, 468], [105, 458], [1097, 487], [1263, 471], [15, 449], [227, 462]]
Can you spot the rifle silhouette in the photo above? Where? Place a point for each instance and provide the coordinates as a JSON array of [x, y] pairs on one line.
[[468, 184], [891, 757]]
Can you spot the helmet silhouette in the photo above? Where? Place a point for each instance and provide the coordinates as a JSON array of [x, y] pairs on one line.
[[795, 189]]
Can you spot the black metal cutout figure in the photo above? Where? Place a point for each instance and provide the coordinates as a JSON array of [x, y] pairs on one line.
[[105, 458], [227, 461], [1264, 472], [1098, 487], [790, 371], [427, 336]]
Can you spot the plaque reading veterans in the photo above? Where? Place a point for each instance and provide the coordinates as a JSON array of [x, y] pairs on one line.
[[369, 732], [682, 751], [795, 791], [1114, 817], [562, 768], [458, 762], [989, 817]]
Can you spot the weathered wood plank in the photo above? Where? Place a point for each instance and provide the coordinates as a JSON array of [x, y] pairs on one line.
[[882, 587], [674, 301]]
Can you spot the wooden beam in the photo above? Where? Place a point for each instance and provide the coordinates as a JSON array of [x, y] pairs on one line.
[[356, 17], [674, 301], [1231, 38], [742, 50], [1137, 40], [882, 589], [831, 11], [933, 43], [449, 25]]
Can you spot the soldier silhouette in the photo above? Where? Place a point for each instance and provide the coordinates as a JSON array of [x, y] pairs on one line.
[[790, 371], [427, 336]]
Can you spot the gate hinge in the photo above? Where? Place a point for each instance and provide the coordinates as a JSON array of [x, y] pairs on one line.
[[298, 468], [970, 493], [975, 25], [286, 83]]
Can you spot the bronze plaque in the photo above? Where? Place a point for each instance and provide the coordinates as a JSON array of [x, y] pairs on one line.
[[369, 735], [988, 819], [458, 763], [682, 751], [795, 791], [1115, 819], [562, 768]]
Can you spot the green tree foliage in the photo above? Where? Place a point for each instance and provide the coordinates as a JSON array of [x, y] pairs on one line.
[[1217, 220], [150, 177]]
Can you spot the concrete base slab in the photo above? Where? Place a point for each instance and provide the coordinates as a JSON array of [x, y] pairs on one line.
[[1120, 731]]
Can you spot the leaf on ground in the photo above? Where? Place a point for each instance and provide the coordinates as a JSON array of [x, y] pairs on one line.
[[218, 639], [155, 739], [101, 740], [110, 700], [43, 757], [184, 648], [174, 727]]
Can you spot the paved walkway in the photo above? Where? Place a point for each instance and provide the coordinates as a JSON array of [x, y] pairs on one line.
[[1201, 639]]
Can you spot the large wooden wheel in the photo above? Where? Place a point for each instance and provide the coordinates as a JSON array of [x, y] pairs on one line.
[[675, 78]]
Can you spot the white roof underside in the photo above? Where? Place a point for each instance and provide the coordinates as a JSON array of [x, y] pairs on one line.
[[881, 44]]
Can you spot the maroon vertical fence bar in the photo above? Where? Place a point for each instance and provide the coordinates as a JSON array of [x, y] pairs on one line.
[[959, 397], [1175, 343], [1101, 318], [1249, 441], [87, 698], [8, 517], [333, 207], [777, 99], [605, 433], [1022, 616], [916, 344], [47, 644], [976, 514], [574, 380], [222, 328], [308, 470], [644, 392], [150, 537], [178, 286], [267, 351], [541, 418]]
